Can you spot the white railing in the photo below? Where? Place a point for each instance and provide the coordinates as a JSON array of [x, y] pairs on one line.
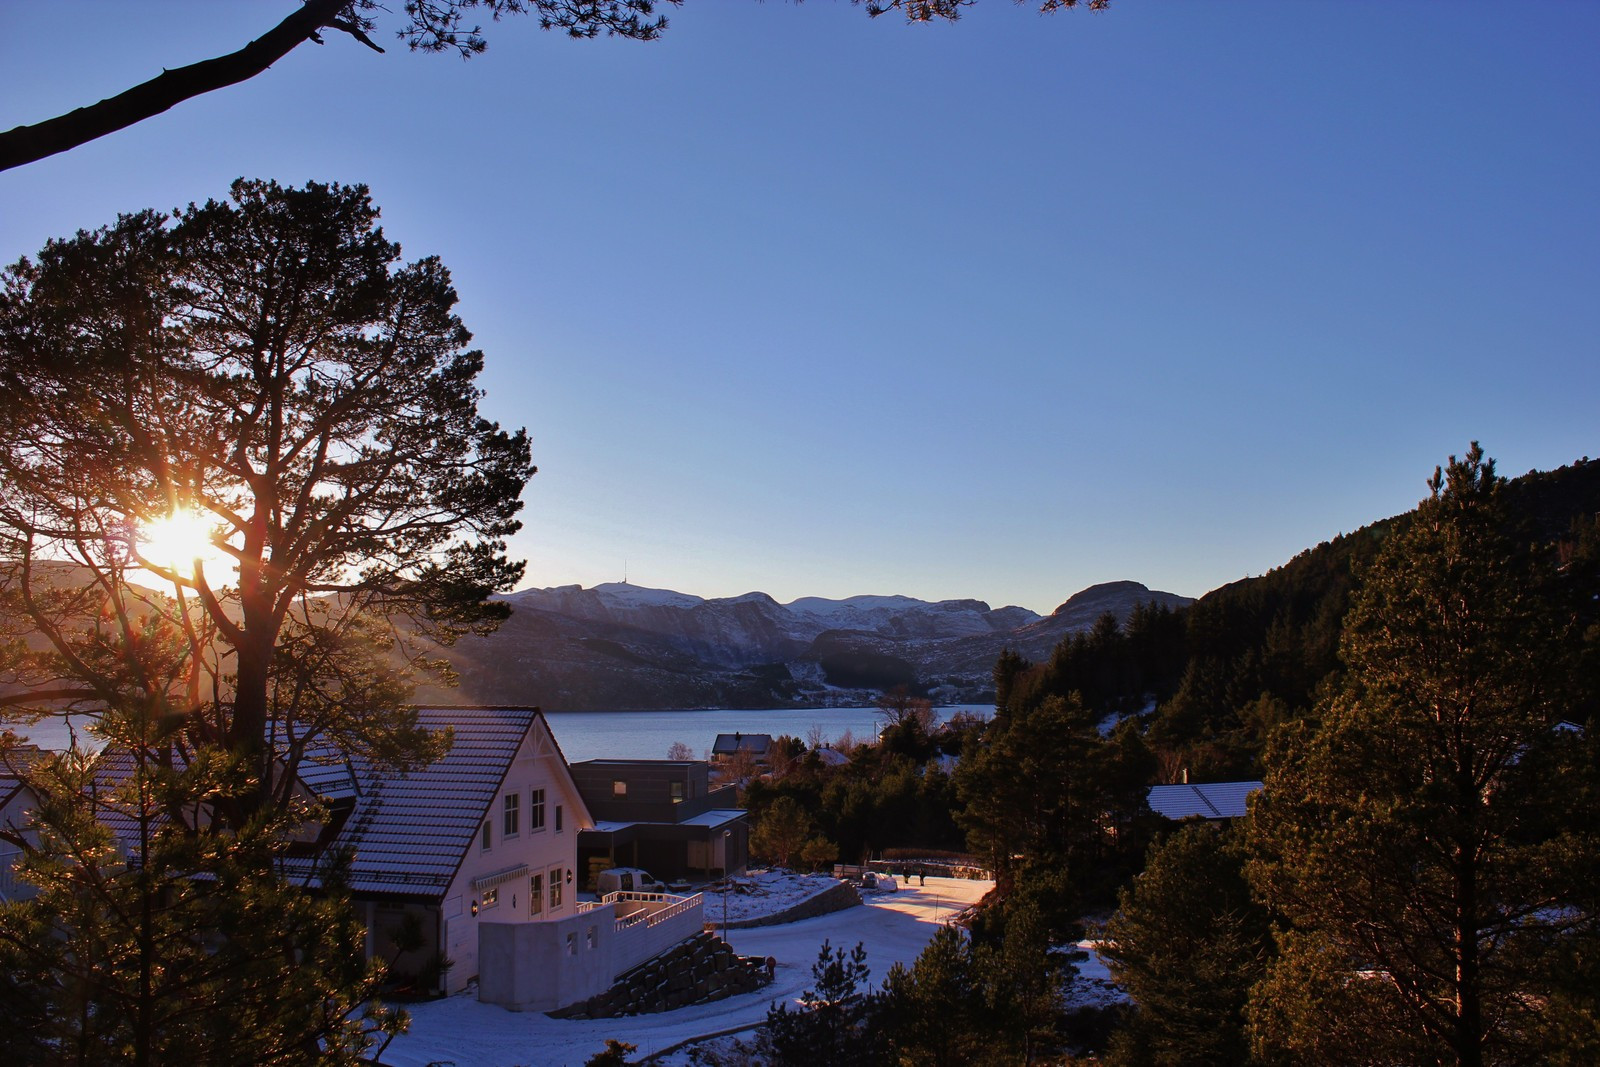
[[678, 907], [650, 908], [657, 922]]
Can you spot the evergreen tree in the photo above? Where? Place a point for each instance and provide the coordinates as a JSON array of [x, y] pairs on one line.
[[267, 364], [1187, 942], [1043, 789], [1425, 837], [969, 1002], [836, 1021], [932, 1010], [266, 368], [157, 944], [783, 832]]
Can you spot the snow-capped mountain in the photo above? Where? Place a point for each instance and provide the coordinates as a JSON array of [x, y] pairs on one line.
[[626, 646]]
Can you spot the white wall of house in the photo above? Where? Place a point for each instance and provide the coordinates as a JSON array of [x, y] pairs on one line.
[[549, 965], [529, 853], [16, 813]]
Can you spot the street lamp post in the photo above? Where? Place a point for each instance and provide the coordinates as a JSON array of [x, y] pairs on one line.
[[727, 883]]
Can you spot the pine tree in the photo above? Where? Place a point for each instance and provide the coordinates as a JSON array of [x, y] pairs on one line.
[[836, 1021], [1040, 788], [160, 944], [1423, 837], [1187, 942], [964, 1002]]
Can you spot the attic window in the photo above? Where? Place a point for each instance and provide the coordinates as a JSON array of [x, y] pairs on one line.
[[513, 806], [619, 788]]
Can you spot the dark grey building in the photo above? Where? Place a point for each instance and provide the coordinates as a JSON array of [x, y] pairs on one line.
[[662, 816]]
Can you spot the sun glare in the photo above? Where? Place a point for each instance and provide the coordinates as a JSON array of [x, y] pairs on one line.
[[177, 541]]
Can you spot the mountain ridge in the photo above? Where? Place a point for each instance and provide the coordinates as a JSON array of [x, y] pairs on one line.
[[617, 645]]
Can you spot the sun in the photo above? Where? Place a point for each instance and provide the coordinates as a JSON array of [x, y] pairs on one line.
[[179, 540]]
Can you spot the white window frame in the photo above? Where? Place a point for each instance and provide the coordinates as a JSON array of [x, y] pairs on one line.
[[511, 815]]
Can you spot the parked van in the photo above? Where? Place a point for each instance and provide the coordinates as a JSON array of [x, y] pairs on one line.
[[626, 880]]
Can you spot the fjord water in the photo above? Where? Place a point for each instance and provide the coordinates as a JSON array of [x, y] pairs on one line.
[[585, 735]]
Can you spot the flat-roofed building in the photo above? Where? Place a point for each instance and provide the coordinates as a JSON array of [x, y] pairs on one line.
[[663, 816]]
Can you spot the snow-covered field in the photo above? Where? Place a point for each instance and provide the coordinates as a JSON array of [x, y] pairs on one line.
[[762, 893], [894, 927]]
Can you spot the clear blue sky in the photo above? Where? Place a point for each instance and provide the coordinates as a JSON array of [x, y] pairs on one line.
[[799, 301]]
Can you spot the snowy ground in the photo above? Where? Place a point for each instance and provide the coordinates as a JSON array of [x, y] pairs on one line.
[[1092, 987], [894, 926]]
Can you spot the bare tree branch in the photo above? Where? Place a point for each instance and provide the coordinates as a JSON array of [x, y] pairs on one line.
[[25, 144]]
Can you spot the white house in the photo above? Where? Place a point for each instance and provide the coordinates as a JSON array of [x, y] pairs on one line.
[[17, 801], [477, 849], [487, 834]]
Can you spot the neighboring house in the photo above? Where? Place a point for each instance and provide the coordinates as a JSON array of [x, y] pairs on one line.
[[17, 802], [662, 816], [829, 756], [757, 747], [1213, 800]]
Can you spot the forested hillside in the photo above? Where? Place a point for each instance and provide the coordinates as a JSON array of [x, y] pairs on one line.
[[1213, 678]]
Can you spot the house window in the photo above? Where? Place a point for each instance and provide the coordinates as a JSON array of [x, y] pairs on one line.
[[558, 818], [619, 788], [677, 792], [491, 897], [513, 810], [487, 841], [572, 944], [592, 934], [536, 894], [536, 809], [555, 888]]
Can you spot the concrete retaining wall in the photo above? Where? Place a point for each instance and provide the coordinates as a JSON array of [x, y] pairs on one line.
[[837, 898]]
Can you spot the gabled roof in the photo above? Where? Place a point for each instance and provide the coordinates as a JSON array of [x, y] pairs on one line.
[[15, 763], [728, 744], [407, 834], [1212, 800]]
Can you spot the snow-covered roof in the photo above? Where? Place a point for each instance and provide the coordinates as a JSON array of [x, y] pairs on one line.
[[1210, 800], [715, 817]]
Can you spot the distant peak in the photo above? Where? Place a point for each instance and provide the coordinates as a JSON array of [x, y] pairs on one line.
[[1103, 591], [641, 594]]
